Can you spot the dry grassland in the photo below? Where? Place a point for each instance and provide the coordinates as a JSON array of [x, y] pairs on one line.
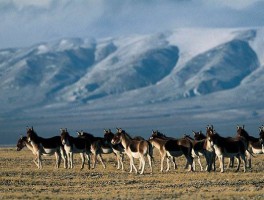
[[20, 179]]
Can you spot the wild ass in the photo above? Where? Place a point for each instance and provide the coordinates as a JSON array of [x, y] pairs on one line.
[[134, 149], [23, 142], [118, 149], [179, 147], [227, 147], [253, 144], [46, 146], [158, 140], [98, 147], [201, 148], [75, 145]]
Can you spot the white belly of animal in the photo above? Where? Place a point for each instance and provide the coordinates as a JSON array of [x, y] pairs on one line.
[[257, 151], [107, 150], [135, 154], [67, 148], [48, 151]]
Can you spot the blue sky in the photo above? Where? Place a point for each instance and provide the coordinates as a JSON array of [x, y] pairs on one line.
[[26, 22]]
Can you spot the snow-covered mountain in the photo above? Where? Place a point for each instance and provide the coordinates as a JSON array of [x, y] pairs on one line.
[[203, 75]]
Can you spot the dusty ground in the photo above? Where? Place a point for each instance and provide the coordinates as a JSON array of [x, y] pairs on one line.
[[20, 179]]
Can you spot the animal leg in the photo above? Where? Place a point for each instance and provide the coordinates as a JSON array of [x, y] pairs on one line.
[[132, 165], [101, 160], [58, 159], [168, 164], [64, 157], [248, 156], [150, 164], [88, 160], [121, 161], [192, 165], [71, 160], [199, 161], [83, 159], [94, 160], [238, 163], [140, 165], [174, 163], [162, 157], [221, 161], [143, 162], [244, 161]]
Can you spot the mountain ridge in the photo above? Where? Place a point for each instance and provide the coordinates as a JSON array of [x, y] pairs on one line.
[[165, 72]]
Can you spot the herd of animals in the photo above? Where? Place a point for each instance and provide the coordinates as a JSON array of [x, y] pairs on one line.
[[210, 145]]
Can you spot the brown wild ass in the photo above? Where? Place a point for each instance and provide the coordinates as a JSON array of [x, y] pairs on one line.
[[46, 146], [227, 147], [158, 140], [118, 149], [134, 149], [179, 147], [201, 148], [23, 142], [75, 145], [99, 146], [253, 144]]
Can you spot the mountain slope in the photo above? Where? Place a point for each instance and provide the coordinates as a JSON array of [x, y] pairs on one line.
[[184, 72]]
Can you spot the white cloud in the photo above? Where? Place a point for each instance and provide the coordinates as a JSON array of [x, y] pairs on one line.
[[25, 22]]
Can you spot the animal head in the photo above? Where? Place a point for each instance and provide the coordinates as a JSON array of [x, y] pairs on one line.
[[108, 135], [241, 132], [21, 143], [198, 135], [31, 134], [80, 133], [85, 135], [117, 137], [211, 136], [261, 134], [64, 135], [157, 134], [209, 130]]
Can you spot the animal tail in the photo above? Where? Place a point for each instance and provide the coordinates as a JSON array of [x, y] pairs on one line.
[[150, 149], [250, 153]]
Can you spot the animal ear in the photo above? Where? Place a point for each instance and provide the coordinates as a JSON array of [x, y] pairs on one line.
[[66, 130], [238, 127], [78, 133], [200, 132], [194, 132], [243, 126], [61, 130], [21, 136], [105, 130]]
